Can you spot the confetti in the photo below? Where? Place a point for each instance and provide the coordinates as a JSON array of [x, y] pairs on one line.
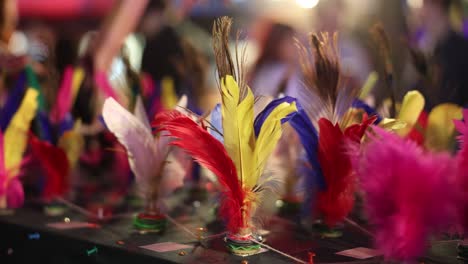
[[34, 236], [92, 251]]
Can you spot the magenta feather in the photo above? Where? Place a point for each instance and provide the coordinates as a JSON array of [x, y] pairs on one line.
[[15, 193], [408, 193], [101, 80], [64, 97], [462, 175]]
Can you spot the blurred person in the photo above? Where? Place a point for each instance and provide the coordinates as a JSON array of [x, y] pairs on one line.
[[275, 70], [447, 51]]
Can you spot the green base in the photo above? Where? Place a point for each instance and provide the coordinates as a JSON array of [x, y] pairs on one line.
[[55, 209], [327, 232], [150, 223], [240, 247]]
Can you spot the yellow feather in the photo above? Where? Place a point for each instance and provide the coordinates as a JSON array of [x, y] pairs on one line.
[[78, 77], [239, 137], [269, 135], [369, 85], [168, 94], [440, 131], [392, 124], [411, 107], [16, 134], [72, 143]]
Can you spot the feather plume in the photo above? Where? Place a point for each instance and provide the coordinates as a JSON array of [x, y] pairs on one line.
[[390, 170], [64, 97], [14, 193], [211, 154], [147, 155], [72, 142], [55, 165], [440, 130], [168, 94], [239, 137], [17, 132], [324, 83], [411, 107], [338, 199]]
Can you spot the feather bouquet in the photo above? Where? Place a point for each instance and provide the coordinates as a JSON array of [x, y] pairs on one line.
[[408, 192], [15, 119], [157, 169], [239, 159], [327, 100]]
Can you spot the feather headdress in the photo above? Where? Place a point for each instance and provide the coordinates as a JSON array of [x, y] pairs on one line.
[[332, 100], [239, 162], [407, 190], [149, 157]]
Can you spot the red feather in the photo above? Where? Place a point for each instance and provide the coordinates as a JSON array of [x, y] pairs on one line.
[[211, 154], [417, 133], [64, 97], [55, 164], [337, 200]]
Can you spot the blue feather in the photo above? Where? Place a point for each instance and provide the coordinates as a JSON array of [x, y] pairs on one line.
[[13, 102], [65, 125], [217, 122], [306, 131], [44, 127], [359, 104]]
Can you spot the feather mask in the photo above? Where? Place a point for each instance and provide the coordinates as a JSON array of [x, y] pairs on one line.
[[150, 157], [390, 169], [13, 144], [239, 160], [332, 104]]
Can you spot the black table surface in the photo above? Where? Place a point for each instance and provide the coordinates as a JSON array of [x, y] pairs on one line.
[[72, 245]]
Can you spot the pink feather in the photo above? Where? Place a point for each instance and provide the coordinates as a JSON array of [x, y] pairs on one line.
[[64, 97], [210, 153], [462, 175], [101, 80], [15, 193], [408, 194]]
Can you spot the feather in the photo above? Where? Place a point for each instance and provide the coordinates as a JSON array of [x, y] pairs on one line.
[[17, 132], [55, 165], [101, 80], [64, 98], [419, 129], [216, 123], [369, 85], [440, 131], [15, 193], [359, 104], [411, 107], [33, 83], [211, 154], [239, 138], [390, 169], [140, 112], [44, 126], [78, 77], [146, 154], [338, 199], [168, 93], [269, 135], [72, 142], [13, 102]]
